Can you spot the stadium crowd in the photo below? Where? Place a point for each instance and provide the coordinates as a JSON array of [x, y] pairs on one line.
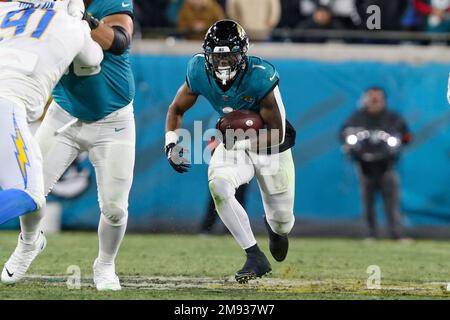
[[286, 20], [263, 18]]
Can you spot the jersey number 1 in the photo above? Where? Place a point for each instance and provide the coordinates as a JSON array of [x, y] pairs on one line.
[[19, 20]]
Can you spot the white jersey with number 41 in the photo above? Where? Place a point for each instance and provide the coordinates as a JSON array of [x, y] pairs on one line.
[[38, 42]]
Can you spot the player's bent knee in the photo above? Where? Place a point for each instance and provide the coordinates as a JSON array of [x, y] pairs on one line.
[[114, 214], [221, 190], [283, 224]]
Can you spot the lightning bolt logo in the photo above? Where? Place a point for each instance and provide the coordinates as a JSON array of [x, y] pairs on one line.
[[21, 152]]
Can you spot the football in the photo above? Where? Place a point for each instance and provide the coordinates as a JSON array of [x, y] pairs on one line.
[[240, 119]]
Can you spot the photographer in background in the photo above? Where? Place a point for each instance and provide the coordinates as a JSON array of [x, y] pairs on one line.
[[373, 137]]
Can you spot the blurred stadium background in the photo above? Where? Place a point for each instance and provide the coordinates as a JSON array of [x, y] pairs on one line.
[[326, 59]]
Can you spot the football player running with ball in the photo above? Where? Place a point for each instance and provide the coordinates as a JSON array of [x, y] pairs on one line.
[[231, 80], [93, 111]]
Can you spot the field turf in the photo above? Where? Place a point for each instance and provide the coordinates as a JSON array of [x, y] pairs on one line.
[[195, 267]]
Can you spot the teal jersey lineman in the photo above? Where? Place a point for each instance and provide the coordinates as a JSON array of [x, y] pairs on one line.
[[91, 98], [250, 86]]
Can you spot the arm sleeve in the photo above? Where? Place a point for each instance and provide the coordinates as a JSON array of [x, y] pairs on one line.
[[91, 54]]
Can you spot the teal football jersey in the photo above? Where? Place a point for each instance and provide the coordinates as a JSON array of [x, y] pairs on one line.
[[249, 88], [91, 98]]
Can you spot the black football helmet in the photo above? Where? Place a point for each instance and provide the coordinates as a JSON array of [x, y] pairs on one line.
[[225, 48]]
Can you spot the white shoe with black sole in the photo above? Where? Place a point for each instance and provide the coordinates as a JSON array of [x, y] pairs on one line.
[[19, 262]]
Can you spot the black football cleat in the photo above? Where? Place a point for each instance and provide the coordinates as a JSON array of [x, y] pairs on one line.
[[256, 266], [278, 245]]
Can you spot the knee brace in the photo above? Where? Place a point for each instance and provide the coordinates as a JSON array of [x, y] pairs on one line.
[[281, 222], [221, 190], [114, 214]]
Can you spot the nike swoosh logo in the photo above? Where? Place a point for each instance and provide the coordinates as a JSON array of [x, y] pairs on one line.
[[9, 273], [118, 130], [125, 5], [273, 77]]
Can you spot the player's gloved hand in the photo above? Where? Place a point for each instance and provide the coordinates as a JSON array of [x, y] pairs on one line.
[[174, 153], [92, 21], [76, 8]]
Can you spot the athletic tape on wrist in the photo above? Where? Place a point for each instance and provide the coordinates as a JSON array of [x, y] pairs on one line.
[[171, 137]]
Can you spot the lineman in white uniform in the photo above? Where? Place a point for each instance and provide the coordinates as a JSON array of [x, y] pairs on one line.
[[38, 42]]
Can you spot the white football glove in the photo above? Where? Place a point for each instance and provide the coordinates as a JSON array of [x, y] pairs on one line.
[[76, 8]]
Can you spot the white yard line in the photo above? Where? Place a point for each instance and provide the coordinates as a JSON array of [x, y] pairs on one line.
[[228, 283]]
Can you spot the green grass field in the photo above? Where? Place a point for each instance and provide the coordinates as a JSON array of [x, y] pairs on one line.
[[193, 267]]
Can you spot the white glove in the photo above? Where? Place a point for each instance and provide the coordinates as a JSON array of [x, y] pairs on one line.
[[76, 8]]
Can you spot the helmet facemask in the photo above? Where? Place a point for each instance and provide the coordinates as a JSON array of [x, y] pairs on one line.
[[225, 65]]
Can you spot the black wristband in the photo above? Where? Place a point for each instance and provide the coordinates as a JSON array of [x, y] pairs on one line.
[[91, 20]]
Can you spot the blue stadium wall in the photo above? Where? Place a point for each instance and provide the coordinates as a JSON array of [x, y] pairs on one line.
[[318, 96]]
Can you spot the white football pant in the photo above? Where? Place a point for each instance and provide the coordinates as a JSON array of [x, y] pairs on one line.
[[110, 143], [20, 156], [275, 174]]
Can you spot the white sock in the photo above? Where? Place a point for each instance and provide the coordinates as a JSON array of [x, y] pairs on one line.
[[232, 213], [110, 237], [29, 225]]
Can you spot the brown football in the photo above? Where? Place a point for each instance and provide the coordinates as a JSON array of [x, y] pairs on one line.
[[240, 119]]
